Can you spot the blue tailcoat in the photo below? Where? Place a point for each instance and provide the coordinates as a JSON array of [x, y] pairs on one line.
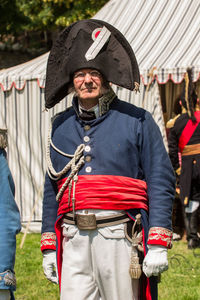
[[9, 224]]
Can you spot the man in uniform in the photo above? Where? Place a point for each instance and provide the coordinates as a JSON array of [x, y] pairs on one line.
[[110, 184], [184, 137], [9, 224]]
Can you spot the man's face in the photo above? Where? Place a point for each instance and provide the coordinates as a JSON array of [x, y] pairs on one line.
[[87, 84]]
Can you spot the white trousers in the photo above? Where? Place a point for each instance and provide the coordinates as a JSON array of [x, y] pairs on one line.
[[96, 265], [4, 295]]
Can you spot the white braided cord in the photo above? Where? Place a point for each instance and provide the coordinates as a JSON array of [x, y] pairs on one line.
[[76, 162], [59, 151]]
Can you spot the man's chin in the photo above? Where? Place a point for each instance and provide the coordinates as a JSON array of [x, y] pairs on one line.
[[89, 96]]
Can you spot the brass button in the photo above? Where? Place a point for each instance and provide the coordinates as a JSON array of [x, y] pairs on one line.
[[88, 158], [87, 127]]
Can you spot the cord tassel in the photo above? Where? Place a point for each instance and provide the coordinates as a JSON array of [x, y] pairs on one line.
[[135, 269]]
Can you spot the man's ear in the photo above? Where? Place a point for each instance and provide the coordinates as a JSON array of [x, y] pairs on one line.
[[180, 102]]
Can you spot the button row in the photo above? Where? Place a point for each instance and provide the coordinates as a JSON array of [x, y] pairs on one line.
[[87, 149]]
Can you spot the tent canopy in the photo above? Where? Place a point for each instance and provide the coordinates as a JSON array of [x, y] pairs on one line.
[[164, 35]]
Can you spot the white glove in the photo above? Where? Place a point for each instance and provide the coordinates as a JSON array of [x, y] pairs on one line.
[[155, 261], [49, 265]]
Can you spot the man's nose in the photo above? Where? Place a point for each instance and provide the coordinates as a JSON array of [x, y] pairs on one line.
[[88, 77]]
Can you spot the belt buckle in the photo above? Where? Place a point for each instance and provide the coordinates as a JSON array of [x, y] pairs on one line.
[[86, 222]]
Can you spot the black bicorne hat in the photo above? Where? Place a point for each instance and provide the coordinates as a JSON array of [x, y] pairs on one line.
[[91, 44]]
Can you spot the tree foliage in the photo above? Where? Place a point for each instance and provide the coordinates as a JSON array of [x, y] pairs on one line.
[[33, 23], [54, 14], [11, 17]]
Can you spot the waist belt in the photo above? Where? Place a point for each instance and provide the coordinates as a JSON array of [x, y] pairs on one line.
[[191, 150], [91, 222]]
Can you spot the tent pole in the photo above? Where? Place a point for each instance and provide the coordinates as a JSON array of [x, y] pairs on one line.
[[30, 219]]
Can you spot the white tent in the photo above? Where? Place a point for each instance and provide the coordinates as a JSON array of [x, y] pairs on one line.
[[165, 38], [164, 34]]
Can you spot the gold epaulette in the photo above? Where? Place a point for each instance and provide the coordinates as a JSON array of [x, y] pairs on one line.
[[171, 122]]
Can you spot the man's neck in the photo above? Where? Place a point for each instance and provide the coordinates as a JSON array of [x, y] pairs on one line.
[[87, 103]]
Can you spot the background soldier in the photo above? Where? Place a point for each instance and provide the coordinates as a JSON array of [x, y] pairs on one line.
[[184, 137]]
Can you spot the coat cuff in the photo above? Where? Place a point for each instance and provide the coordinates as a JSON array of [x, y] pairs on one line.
[[7, 280], [160, 236], [48, 241]]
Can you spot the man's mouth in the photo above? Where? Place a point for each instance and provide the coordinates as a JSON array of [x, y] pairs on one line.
[[89, 90]]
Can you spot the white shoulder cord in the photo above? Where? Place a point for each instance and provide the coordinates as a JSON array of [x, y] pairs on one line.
[[74, 164]]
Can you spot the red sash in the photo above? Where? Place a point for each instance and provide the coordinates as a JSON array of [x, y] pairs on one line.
[[105, 192], [188, 131]]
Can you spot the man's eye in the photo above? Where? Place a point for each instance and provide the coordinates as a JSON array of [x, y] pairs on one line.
[[79, 75], [95, 74]]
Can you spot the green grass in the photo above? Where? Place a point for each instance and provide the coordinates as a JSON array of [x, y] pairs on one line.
[[31, 282], [180, 282]]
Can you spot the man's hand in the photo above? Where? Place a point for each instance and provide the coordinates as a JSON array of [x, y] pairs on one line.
[[155, 261], [49, 265]]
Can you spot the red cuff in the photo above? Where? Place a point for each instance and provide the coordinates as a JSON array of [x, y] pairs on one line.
[[48, 241], [160, 236]]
